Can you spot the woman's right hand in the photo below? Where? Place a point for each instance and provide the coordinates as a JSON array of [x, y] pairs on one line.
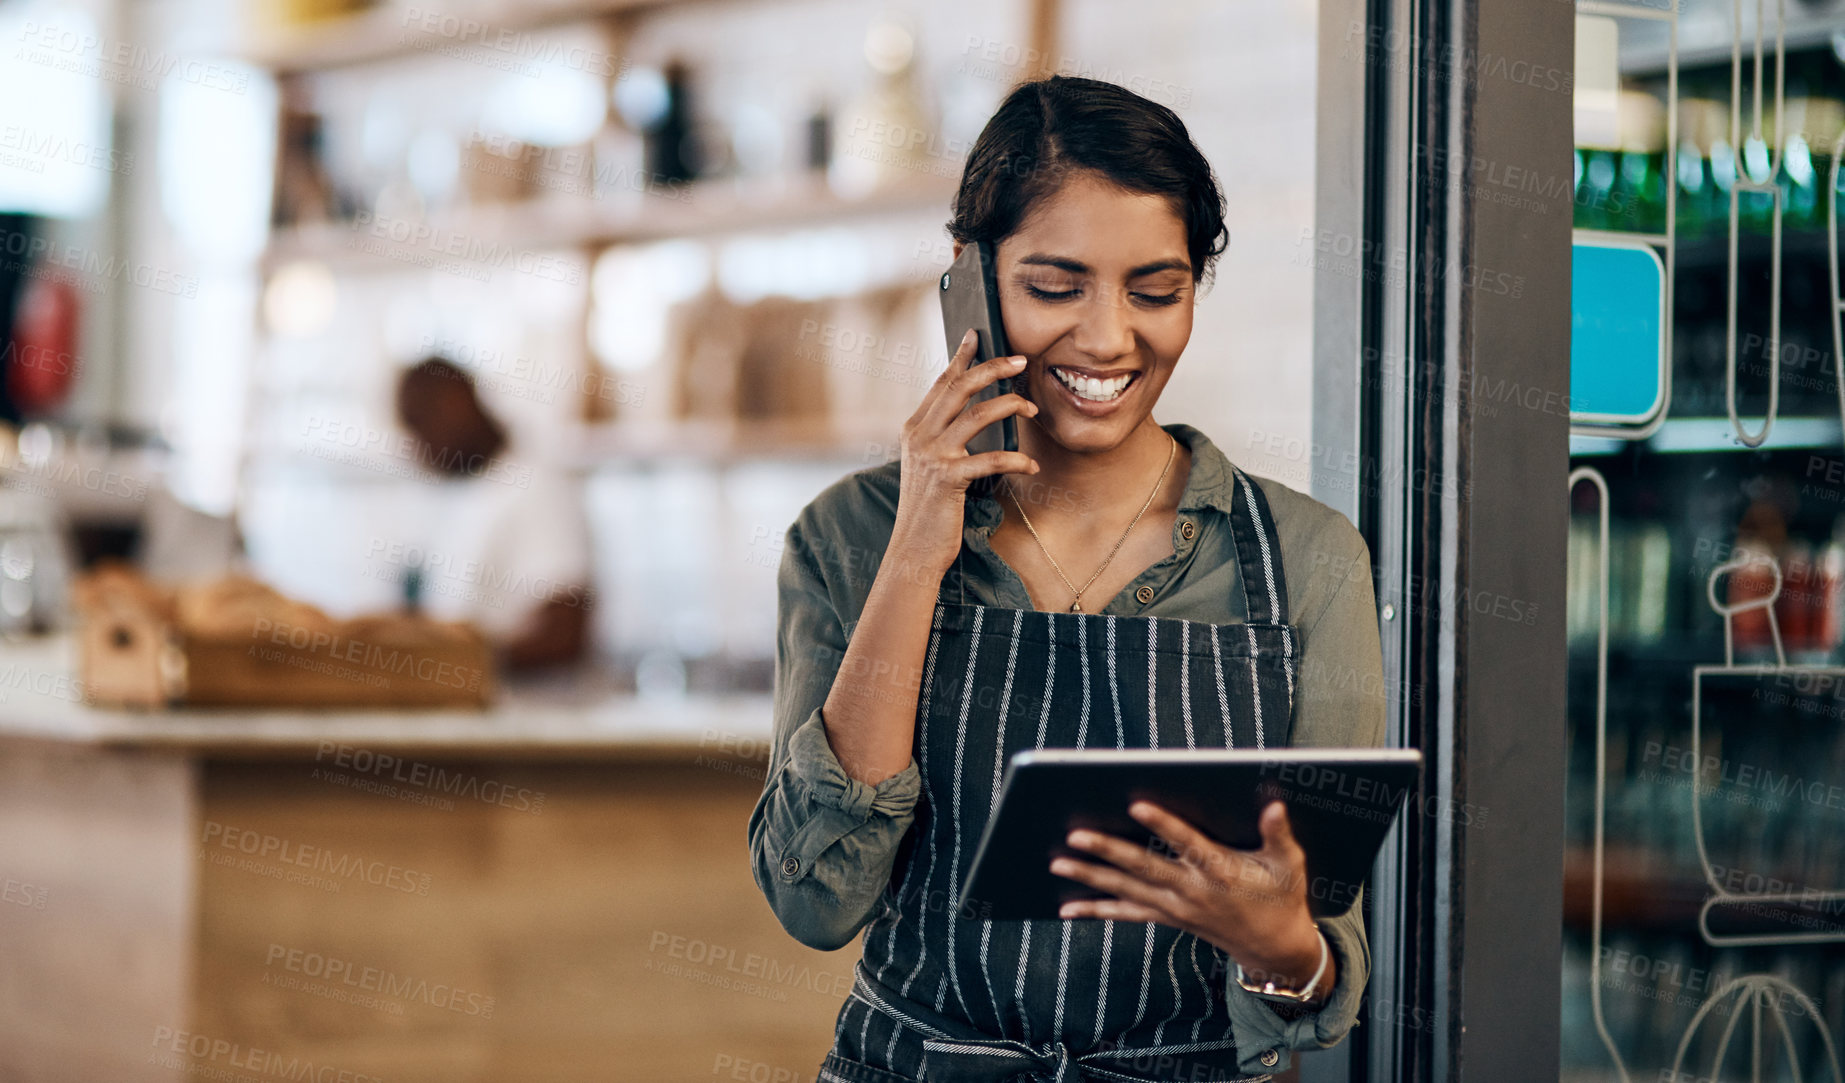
[[936, 468]]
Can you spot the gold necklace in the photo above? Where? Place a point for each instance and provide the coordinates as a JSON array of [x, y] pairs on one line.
[[1077, 605]]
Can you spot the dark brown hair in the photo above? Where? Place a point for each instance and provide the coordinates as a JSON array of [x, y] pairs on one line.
[[1049, 128]]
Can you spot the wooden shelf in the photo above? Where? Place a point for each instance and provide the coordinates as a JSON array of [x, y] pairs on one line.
[[496, 234], [388, 31], [594, 446]]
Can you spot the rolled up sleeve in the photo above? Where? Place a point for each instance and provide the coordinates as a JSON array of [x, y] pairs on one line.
[[1340, 704], [822, 844], [1259, 1029]]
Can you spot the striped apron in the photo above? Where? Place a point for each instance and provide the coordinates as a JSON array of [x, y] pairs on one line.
[[938, 996]]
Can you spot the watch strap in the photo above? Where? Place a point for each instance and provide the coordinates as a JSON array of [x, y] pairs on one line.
[[1268, 990]]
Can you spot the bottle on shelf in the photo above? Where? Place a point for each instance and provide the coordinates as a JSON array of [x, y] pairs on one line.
[[1595, 173], [1761, 534], [669, 149], [886, 135], [1595, 176], [1702, 207], [1650, 570], [1829, 595], [304, 192], [1755, 166], [1620, 180], [1637, 199], [1623, 588], [819, 142], [1811, 127], [1584, 582], [1794, 605], [1704, 131]]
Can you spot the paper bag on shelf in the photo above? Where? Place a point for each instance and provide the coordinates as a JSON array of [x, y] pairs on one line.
[[775, 382]]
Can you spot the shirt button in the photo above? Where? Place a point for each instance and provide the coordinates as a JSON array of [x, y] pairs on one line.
[[1186, 530], [791, 866], [1144, 595], [1269, 1058]]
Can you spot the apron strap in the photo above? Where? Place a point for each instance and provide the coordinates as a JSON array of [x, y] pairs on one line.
[[1258, 551]]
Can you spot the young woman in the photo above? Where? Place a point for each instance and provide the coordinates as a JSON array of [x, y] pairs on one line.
[[1114, 582]]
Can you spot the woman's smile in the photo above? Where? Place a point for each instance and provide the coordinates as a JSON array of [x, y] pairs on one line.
[[1092, 392]]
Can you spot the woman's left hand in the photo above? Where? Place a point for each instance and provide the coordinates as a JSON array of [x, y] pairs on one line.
[[1250, 903]]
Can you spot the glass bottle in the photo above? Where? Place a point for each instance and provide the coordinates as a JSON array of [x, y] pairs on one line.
[[1829, 628], [1595, 176], [1806, 164], [1700, 209], [1755, 164], [1637, 196]]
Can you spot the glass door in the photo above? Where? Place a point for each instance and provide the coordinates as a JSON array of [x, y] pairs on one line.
[[1704, 879]]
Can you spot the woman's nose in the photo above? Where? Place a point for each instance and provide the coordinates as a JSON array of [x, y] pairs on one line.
[[1105, 330]]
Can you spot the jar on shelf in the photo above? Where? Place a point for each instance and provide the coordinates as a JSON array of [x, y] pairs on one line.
[[886, 137]]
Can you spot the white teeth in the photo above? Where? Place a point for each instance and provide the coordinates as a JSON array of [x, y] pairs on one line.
[[1091, 388]]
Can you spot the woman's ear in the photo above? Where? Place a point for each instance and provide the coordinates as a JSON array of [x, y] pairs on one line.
[[957, 254]]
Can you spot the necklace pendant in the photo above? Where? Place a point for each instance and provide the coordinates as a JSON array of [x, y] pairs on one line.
[[1076, 607]]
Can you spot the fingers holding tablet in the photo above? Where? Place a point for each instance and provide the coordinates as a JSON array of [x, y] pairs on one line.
[[1195, 833], [1229, 897]]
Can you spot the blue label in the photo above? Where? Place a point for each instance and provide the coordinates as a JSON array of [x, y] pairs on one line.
[[1617, 332]]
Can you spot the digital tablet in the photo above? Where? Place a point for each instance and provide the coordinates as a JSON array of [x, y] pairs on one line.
[[1340, 803]]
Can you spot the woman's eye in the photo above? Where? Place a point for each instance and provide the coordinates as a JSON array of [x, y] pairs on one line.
[[1157, 300]]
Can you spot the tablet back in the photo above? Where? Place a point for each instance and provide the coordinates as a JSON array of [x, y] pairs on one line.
[[1340, 804]]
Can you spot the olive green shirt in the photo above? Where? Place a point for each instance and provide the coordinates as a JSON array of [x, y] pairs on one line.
[[823, 844]]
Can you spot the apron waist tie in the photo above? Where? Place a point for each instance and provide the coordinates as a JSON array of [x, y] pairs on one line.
[[996, 1060]]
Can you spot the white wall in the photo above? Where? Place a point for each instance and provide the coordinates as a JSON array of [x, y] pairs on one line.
[[1242, 74]]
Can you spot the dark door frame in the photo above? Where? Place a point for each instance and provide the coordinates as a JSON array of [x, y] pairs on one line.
[[1441, 357]]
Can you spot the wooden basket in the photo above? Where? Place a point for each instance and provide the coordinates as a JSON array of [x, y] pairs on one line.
[[235, 642]]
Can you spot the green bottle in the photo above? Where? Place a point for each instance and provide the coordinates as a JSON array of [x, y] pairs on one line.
[[1755, 163], [1637, 197], [1700, 210], [1806, 164]]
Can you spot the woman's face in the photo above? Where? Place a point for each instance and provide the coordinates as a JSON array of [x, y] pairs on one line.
[[1096, 285]]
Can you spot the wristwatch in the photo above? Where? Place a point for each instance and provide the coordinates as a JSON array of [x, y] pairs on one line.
[[1268, 990]]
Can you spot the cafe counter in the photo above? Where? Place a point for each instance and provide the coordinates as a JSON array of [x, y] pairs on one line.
[[556, 887]]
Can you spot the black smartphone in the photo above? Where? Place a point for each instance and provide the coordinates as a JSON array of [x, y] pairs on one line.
[[970, 298]]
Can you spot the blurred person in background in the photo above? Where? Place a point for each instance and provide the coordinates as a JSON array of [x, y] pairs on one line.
[[504, 545]]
